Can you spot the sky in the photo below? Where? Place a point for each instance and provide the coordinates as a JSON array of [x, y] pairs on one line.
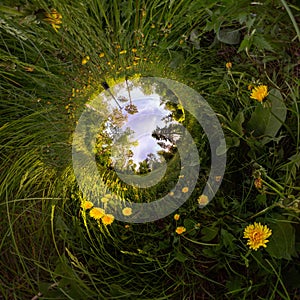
[[149, 116]]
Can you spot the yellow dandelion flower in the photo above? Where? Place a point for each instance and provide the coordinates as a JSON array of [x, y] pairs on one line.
[[258, 183], [135, 63], [107, 219], [101, 54], [136, 58], [185, 189], [203, 200], [218, 178], [28, 69], [85, 60], [118, 46], [228, 65], [171, 193], [180, 230], [127, 226], [128, 67], [134, 50], [54, 18], [176, 217], [87, 204], [127, 211], [257, 235], [259, 93], [197, 226], [123, 52], [104, 200], [97, 213]]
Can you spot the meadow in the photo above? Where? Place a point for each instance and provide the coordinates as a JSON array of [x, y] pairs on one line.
[[243, 57]]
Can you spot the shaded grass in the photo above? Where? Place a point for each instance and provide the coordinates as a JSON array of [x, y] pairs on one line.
[[48, 244]]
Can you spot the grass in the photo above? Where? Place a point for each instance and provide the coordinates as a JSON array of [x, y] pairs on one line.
[[51, 248]]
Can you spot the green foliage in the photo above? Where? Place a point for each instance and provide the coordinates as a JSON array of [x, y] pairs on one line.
[[266, 120], [51, 248]]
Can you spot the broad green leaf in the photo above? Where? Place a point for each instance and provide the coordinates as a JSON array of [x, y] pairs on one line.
[[267, 119], [232, 141], [245, 44], [227, 239], [261, 43], [189, 224], [230, 37], [237, 123], [180, 256], [282, 241], [209, 233]]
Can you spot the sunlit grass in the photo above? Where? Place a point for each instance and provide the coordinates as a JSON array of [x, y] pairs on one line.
[[51, 247]]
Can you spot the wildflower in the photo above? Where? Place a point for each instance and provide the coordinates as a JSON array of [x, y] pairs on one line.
[[135, 63], [171, 193], [176, 217], [218, 178], [181, 42], [152, 25], [101, 55], [197, 226], [87, 204], [257, 235], [259, 93], [123, 52], [107, 219], [185, 189], [97, 213], [127, 211], [134, 50], [127, 226], [85, 60], [53, 18], [118, 46], [28, 69], [180, 230], [258, 183], [203, 200], [181, 176], [136, 58], [104, 200], [228, 65]]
